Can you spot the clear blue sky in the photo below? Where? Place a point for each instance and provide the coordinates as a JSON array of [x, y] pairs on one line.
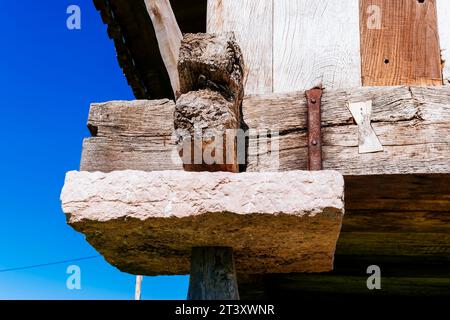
[[49, 76]]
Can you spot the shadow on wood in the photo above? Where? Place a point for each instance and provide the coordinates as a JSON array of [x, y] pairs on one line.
[[213, 276]]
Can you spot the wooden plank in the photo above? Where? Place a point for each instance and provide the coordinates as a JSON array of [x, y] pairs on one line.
[[394, 243], [400, 222], [443, 10], [130, 153], [399, 43], [411, 248], [316, 43], [398, 193], [411, 123], [213, 276], [337, 289], [139, 118], [169, 37], [251, 21]]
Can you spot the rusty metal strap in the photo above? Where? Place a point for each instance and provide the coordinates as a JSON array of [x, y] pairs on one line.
[[314, 97]]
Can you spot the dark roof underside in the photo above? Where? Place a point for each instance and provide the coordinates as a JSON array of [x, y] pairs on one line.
[[130, 26]]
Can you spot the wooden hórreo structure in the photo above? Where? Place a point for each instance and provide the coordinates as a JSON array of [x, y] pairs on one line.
[[385, 125]]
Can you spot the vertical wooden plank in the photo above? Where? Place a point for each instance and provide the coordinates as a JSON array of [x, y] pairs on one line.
[[251, 21], [399, 43], [168, 35], [213, 276], [443, 9], [316, 42]]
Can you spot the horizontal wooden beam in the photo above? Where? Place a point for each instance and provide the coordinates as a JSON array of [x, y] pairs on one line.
[[412, 124]]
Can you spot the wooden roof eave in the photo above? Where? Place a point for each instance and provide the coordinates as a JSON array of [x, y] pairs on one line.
[[131, 29]]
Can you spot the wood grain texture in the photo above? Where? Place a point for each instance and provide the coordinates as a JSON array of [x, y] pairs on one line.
[[415, 285], [316, 43], [412, 124], [169, 37], [412, 248], [131, 29], [399, 43], [398, 193], [251, 21], [214, 62], [203, 120], [131, 135], [443, 10], [213, 276], [211, 69]]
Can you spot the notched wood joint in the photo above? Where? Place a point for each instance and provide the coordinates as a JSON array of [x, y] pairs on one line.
[[368, 141]]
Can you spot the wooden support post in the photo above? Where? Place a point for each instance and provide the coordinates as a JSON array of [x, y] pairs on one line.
[[213, 275], [168, 35]]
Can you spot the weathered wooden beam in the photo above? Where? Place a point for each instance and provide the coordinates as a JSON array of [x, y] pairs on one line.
[[168, 35], [411, 247], [131, 135], [212, 276], [398, 193], [412, 124], [408, 32], [337, 288]]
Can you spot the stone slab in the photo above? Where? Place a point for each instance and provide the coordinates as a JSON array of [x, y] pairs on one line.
[[147, 222]]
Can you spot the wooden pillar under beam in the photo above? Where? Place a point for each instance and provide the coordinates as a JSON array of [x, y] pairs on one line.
[[213, 276]]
